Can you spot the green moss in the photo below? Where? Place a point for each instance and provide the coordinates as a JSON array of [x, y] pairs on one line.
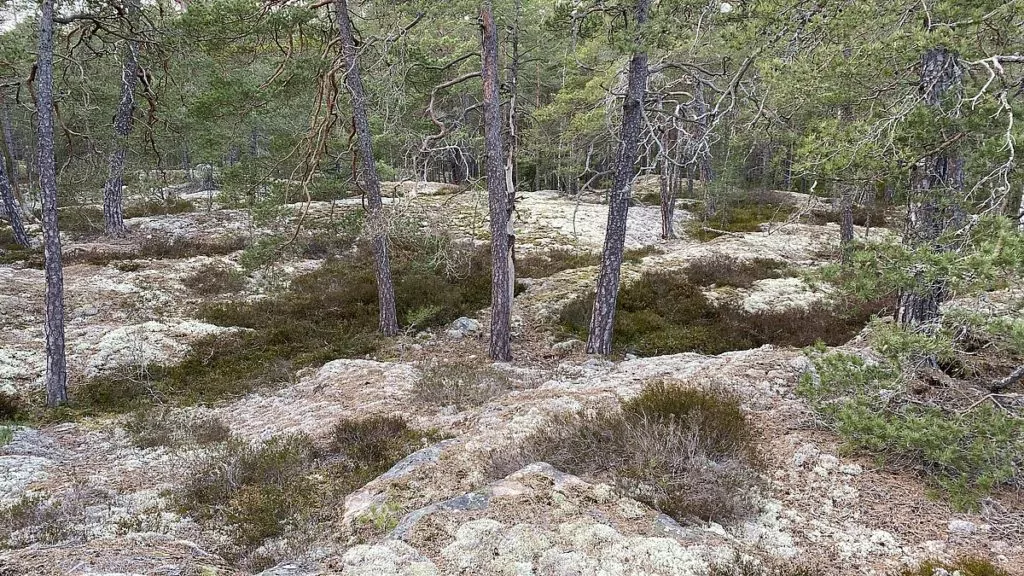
[[551, 262], [11, 252], [324, 315], [158, 207], [966, 566], [741, 212], [725, 270], [663, 313]]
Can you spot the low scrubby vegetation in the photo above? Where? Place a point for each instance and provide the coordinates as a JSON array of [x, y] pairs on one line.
[[933, 399], [326, 314], [11, 252], [664, 313], [741, 566], [725, 270], [688, 453], [290, 483], [159, 248], [904, 412], [41, 519], [965, 566], [333, 237], [868, 216], [740, 211], [11, 411], [460, 384], [164, 426], [158, 207], [11, 407], [213, 279], [542, 265], [88, 220]]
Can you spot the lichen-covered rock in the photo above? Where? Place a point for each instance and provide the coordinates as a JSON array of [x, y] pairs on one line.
[[463, 327], [147, 343], [780, 294], [391, 557]]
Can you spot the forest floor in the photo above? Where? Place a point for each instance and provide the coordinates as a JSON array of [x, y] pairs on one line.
[[438, 511]]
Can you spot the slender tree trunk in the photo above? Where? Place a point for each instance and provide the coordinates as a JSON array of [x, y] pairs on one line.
[[378, 225], [602, 321], [787, 170], [938, 183], [668, 200], [497, 193], [511, 175], [701, 153], [9, 181], [846, 194], [56, 363], [1020, 211], [113, 197], [12, 167], [11, 209]]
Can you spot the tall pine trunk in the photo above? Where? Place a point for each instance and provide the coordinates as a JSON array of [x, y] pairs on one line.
[[11, 209], [666, 179], [602, 321], [5, 124], [378, 226], [700, 153], [56, 363], [9, 181], [113, 197], [497, 193], [511, 173], [846, 194], [936, 188], [847, 191]]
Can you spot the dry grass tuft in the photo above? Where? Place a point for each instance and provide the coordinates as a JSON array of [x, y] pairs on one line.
[[725, 270], [687, 453], [163, 426], [290, 483], [460, 384], [213, 279]]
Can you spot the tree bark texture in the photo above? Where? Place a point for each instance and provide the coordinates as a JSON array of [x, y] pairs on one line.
[[497, 192], [11, 209], [388, 324], [113, 197], [56, 362], [12, 168], [938, 182], [667, 179], [699, 151], [602, 320]]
